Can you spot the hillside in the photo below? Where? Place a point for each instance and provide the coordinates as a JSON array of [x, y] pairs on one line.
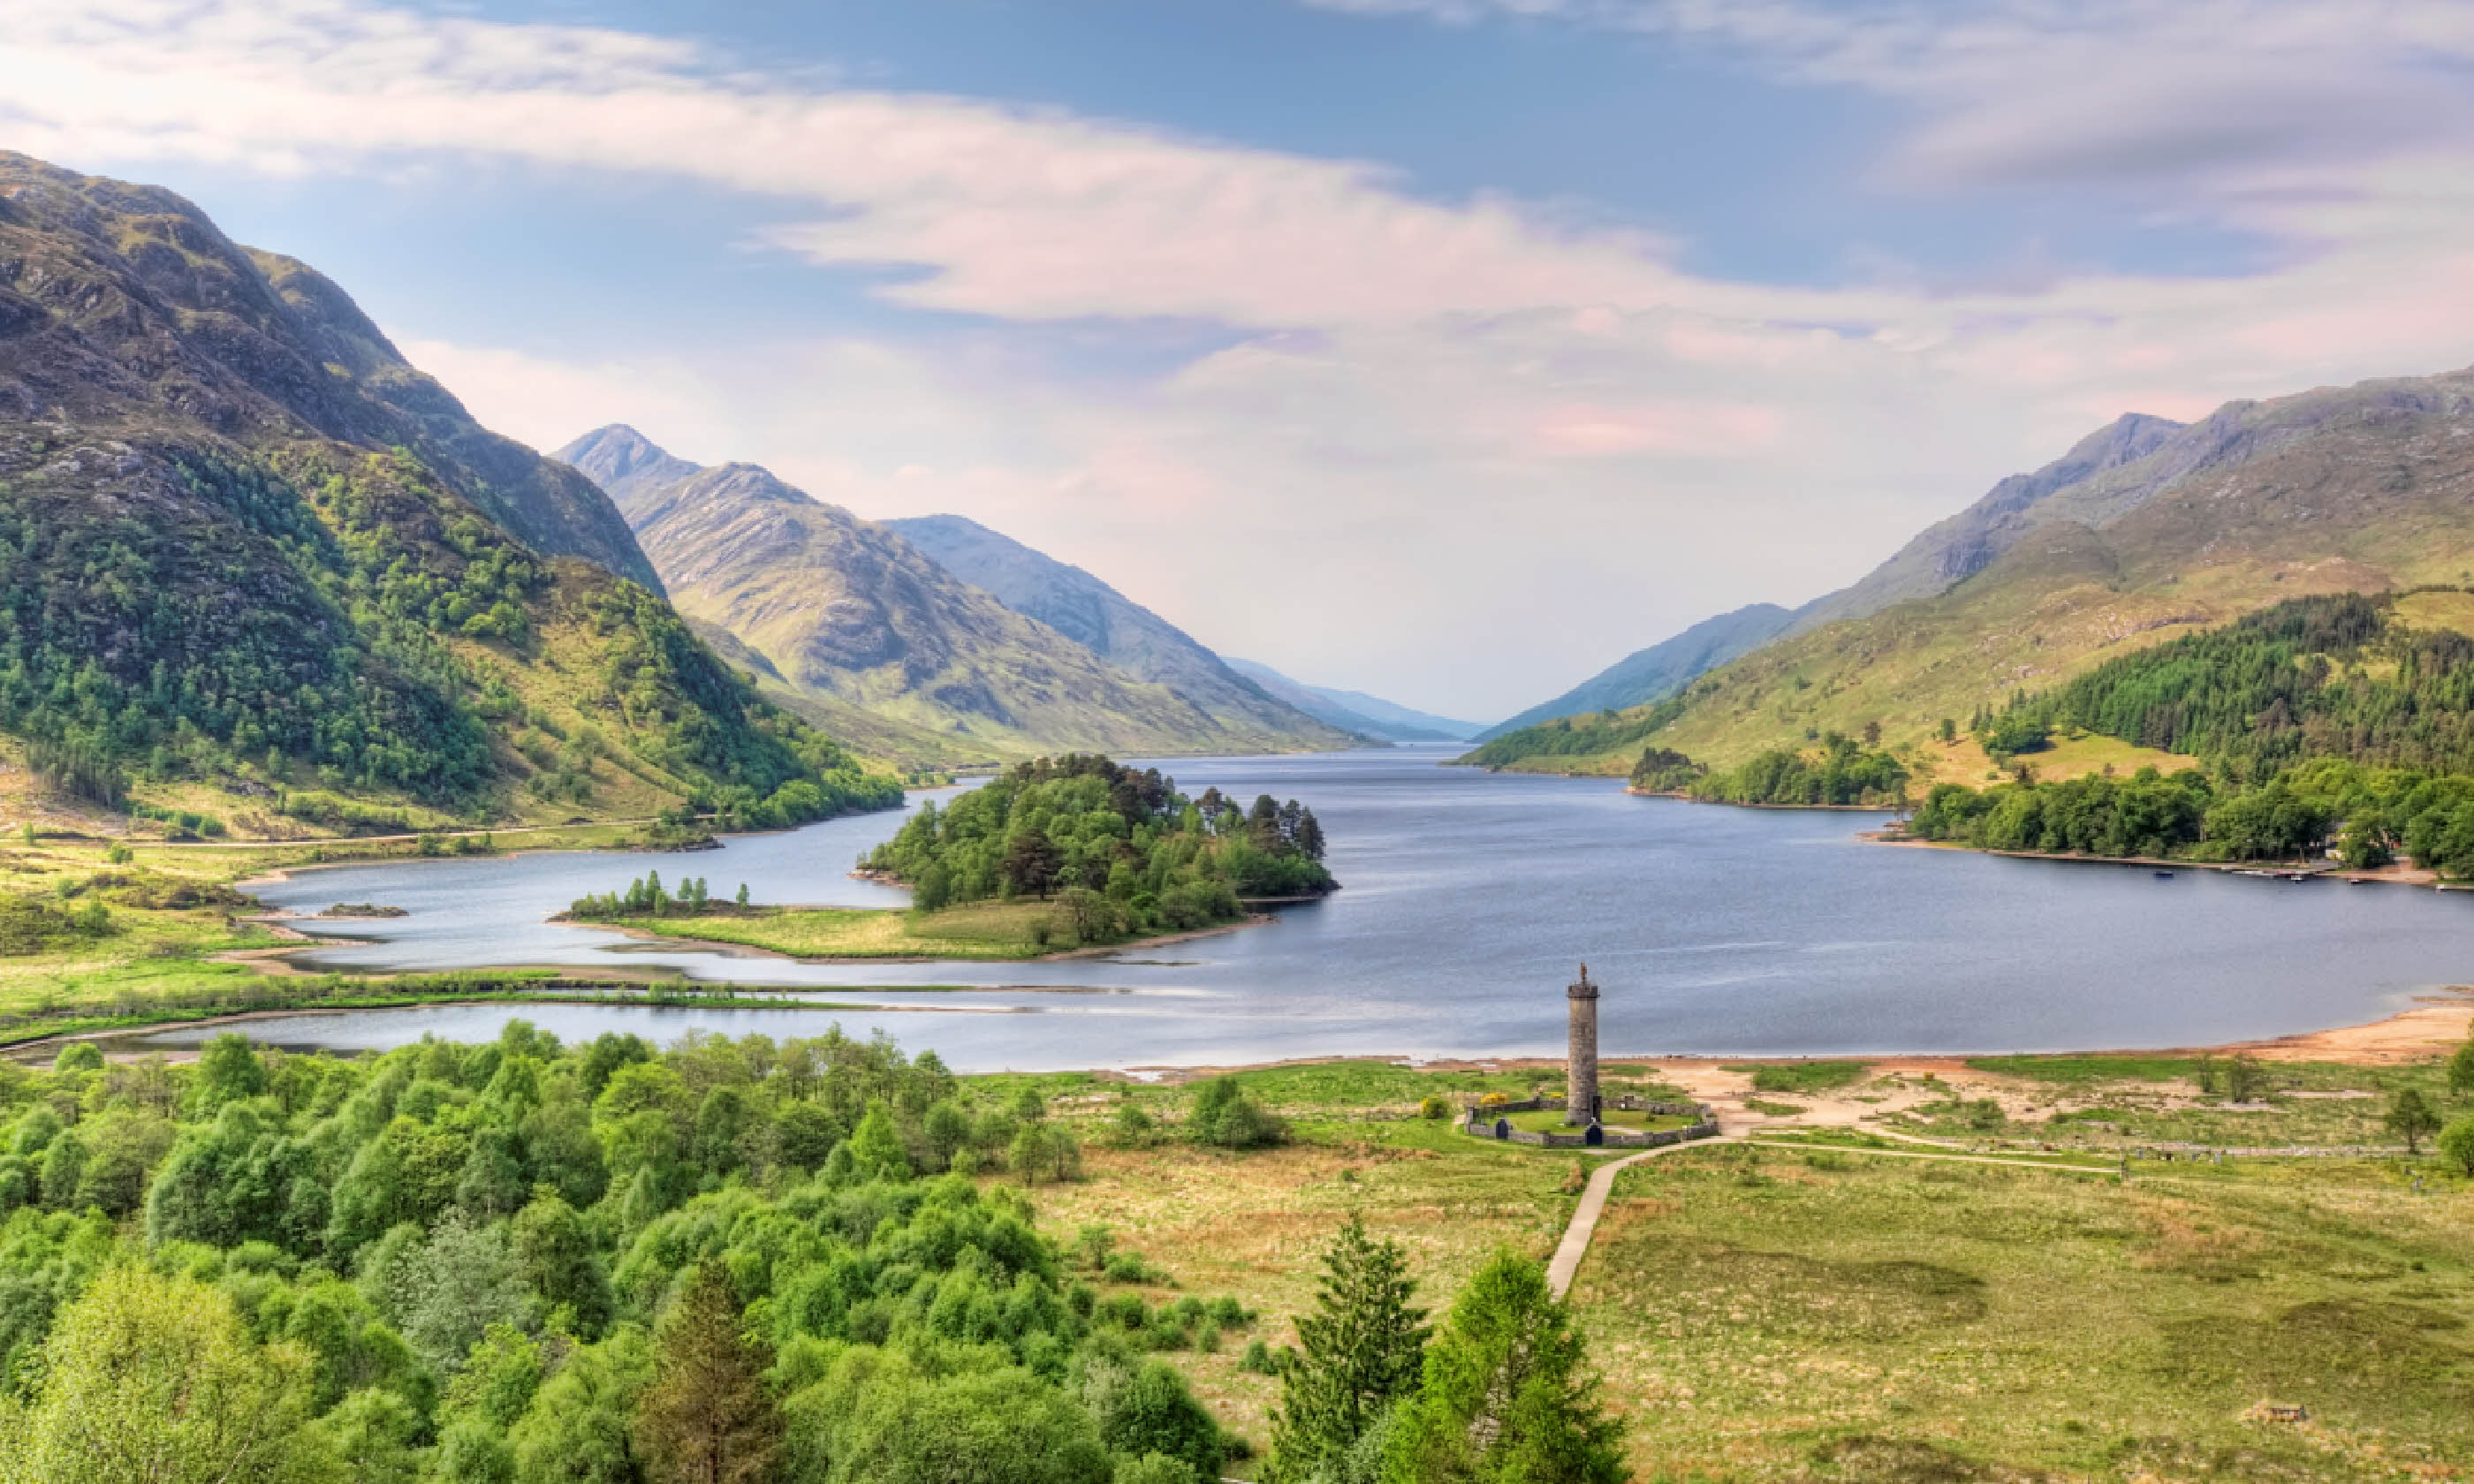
[[1355, 711], [848, 613], [1652, 674], [1110, 625], [2356, 489], [249, 556]]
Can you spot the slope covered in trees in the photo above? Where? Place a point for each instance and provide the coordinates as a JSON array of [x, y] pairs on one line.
[[1839, 772], [524, 1262], [2339, 674], [1109, 839], [244, 546]]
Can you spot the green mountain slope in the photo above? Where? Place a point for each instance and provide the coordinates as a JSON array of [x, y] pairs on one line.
[[849, 614], [2366, 489], [1114, 626], [246, 549]]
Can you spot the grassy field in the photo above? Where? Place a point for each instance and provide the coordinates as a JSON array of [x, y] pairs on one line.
[[1819, 1312], [971, 930]]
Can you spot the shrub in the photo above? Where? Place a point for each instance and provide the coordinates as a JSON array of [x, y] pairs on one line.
[[1433, 1106], [1226, 1118]]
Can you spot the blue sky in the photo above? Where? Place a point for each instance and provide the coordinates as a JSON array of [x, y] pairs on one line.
[[1443, 348]]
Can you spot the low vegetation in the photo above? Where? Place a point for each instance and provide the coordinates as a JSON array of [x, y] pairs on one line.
[[1839, 770]]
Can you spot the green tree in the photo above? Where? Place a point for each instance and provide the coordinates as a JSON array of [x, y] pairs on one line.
[[2412, 1118], [1030, 862], [2461, 1069], [1225, 1117], [1359, 1353], [876, 1149], [150, 1380], [2456, 1144], [1144, 1408], [1505, 1398], [228, 1070], [707, 1417]]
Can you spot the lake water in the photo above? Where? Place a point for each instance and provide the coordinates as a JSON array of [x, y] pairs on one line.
[[1469, 900]]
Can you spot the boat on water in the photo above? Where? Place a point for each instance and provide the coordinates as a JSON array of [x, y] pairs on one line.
[[2164, 875]]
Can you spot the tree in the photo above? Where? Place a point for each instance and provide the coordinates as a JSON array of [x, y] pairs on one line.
[[2456, 1144], [2411, 1116], [1358, 1354], [2245, 1080], [1225, 1117], [2461, 1069], [1504, 1399], [707, 1417], [1030, 863], [149, 1380], [229, 1069], [1145, 1408]]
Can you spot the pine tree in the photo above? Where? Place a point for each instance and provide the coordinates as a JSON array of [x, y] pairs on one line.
[[1359, 1354], [1504, 1397], [707, 1419]]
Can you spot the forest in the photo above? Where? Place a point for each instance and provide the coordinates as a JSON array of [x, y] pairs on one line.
[[775, 1263], [2367, 815], [2328, 676], [1844, 772], [1107, 839]]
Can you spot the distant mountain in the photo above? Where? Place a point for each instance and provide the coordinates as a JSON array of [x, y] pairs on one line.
[[1654, 673], [2146, 529], [1110, 625], [1354, 710], [848, 613], [248, 553]]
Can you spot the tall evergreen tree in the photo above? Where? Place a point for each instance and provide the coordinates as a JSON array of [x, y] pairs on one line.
[[707, 1419], [1505, 1398], [1359, 1354]]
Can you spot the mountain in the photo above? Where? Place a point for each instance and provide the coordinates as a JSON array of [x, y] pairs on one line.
[[248, 552], [1112, 626], [1355, 711], [849, 614], [2147, 531], [2109, 472], [1652, 674]]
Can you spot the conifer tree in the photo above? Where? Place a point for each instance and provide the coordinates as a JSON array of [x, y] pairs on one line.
[[1504, 1397], [1359, 1354], [707, 1419]]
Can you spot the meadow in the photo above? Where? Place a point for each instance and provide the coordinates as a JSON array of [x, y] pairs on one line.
[[1842, 1309]]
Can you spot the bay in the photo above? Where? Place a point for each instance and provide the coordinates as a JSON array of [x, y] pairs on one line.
[[1468, 901]]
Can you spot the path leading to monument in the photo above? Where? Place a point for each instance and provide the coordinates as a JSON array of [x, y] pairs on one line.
[[1575, 1245]]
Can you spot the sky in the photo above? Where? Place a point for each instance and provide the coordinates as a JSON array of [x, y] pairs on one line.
[[1446, 350]]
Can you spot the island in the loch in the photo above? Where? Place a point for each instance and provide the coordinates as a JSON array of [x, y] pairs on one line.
[[1057, 855]]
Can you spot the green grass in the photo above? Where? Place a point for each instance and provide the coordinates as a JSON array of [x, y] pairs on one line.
[[1805, 1077], [2084, 1070], [973, 930], [1854, 1317]]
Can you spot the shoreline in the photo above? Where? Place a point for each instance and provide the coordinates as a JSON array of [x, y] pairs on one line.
[[2385, 875], [2429, 1028]]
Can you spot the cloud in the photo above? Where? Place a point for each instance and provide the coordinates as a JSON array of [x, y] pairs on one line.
[[2197, 94], [1454, 450]]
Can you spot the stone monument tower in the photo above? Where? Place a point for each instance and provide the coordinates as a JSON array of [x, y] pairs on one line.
[[1581, 1072]]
